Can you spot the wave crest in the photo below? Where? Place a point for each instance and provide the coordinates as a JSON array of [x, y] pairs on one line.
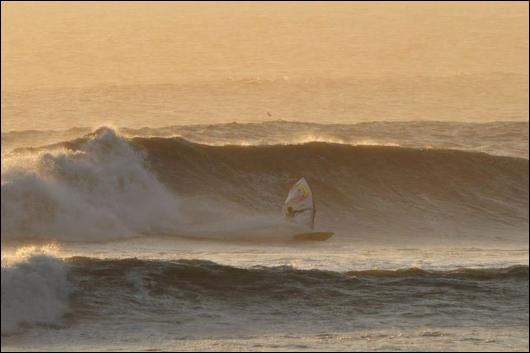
[[35, 290], [99, 190], [105, 186]]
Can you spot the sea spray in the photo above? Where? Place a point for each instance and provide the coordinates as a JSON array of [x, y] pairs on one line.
[[105, 186], [35, 290], [98, 191]]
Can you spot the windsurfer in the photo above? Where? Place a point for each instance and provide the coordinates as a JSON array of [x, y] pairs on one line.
[[291, 212]]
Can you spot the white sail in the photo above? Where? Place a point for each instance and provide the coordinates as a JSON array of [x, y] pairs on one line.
[[299, 206]]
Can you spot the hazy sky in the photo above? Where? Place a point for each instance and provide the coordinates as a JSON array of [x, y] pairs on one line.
[[87, 44]]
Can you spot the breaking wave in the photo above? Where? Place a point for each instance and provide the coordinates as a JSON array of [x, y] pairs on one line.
[[104, 186], [373, 190], [38, 291], [35, 290], [98, 191]]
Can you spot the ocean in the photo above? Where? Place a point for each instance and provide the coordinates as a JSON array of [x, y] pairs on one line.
[[172, 238], [147, 150]]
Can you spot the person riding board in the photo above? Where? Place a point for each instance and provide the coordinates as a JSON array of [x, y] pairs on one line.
[[299, 208]]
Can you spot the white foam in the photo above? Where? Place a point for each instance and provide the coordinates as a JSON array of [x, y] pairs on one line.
[[102, 191], [35, 290]]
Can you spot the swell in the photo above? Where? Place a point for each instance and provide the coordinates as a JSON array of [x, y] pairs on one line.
[[376, 187], [208, 285], [211, 275], [371, 191], [207, 291], [44, 290], [497, 138]]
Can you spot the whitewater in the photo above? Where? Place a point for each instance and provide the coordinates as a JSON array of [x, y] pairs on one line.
[[171, 238]]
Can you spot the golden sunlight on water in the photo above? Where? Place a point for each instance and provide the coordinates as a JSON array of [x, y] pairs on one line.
[[66, 64], [165, 164], [84, 44]]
